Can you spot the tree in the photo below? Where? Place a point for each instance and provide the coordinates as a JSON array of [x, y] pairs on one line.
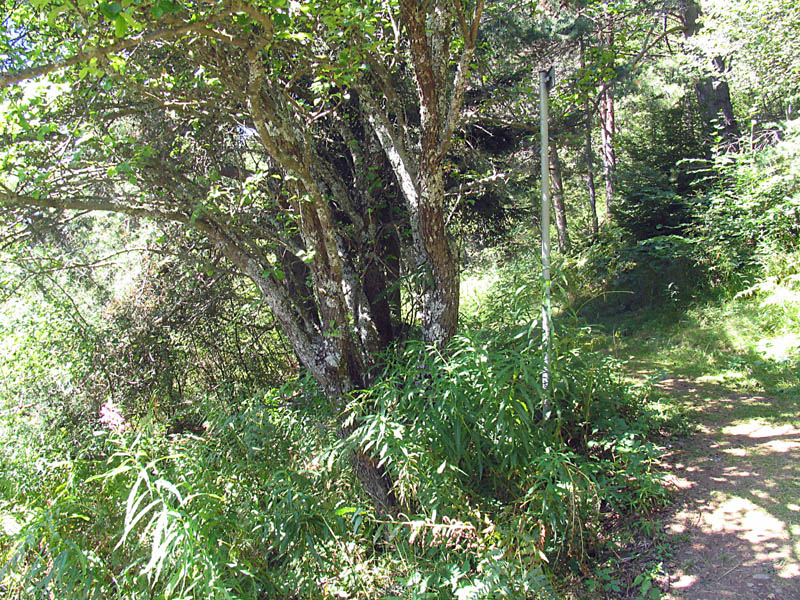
[[557, 186], [617, 36], [289, 134], [713, 92], [588, 152]]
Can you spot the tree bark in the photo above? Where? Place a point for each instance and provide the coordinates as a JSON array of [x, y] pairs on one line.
[[440, 100], [714, 98], [429, 50], [607, 129], [590, 180], [557, 185], [713, 92], [589, 155]]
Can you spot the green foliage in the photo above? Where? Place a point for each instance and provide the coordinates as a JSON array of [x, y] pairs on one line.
[[752, 215], [739, 225], [97, 301], [660, 269], [178, 517], [763, 73], [647, 209], [612, 275], [259, 499], [748, 339], [660, 151], [216, 484], [466, 429]]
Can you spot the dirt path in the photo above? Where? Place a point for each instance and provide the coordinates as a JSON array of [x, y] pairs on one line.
[[735, 526]]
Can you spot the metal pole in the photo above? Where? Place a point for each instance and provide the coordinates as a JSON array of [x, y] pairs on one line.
[[545, 83]]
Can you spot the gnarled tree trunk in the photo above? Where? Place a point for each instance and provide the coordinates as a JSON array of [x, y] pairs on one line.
[[321, 245]]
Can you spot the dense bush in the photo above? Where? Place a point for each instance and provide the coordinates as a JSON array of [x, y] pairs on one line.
[[740, 225], [649, 208], [139, 326], [753, 212], [259, 502]]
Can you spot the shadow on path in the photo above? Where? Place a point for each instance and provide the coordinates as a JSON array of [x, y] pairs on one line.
[[736, 521]]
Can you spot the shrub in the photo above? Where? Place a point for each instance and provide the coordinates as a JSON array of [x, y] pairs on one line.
[[753, 213], [259, 500]]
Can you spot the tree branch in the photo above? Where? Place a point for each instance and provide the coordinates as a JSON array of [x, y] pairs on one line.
[[460, 83], [162, 34], [10, 198]]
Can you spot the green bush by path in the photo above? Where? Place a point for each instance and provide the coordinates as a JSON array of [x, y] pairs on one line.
[[752, 217], [495, 500]]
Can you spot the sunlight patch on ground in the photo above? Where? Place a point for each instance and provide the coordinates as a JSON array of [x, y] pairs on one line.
[[777, 438], [735, 451], [676, 482], [767, 536], [723, 376], [475, 288], [779, 348], [684, 581]]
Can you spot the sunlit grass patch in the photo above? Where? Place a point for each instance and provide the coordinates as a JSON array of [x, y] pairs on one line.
[[780, 348], [475, 288], [750, 341]]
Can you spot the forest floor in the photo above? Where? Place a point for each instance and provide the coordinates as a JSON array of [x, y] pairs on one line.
[[732, 465], [734, 526]]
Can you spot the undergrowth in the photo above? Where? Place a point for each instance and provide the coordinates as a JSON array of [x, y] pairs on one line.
[[497, 498], [505, 489]]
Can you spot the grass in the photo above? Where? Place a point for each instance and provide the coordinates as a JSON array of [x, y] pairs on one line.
[[747, 343]]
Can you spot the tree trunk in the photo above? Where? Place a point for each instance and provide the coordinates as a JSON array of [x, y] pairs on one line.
[[714, 98], [589, 154], [429, 42], [713, 93], [557, 185], [590, 180], [441, 298], [376, 483], [607, 127]]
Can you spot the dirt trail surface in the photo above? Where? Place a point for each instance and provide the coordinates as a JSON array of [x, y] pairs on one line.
[[735, 525]]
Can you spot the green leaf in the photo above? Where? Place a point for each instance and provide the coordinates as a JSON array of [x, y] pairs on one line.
[[110, 10], [120, 26], [281, 21]]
